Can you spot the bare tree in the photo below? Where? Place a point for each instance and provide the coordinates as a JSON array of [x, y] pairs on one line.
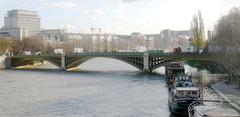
[[227, 41], [5, 44], [33, 44], [48, 49]]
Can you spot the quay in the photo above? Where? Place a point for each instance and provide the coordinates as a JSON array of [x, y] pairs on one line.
[[229, 93]]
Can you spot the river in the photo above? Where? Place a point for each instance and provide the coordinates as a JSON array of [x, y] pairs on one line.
[[101, 88]]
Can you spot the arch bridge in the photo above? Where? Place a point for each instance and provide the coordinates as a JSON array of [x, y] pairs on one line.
[[144, 61]]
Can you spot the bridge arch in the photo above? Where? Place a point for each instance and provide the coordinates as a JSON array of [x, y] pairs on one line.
[[155, 63], [20, 61], [57, 63], [135, 62]]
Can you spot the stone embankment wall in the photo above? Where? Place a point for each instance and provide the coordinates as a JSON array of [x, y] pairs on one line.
[[2, 62]]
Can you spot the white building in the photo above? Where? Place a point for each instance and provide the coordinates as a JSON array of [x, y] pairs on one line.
[[53, 36], [75, 40], [171, 39], [136, 39], [17, 33], [111, 43], [21, 23]]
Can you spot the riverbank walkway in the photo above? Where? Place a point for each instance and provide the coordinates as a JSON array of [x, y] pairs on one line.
[[229, 92]]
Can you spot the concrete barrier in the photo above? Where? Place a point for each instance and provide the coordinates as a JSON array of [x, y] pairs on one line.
[[2, 62]]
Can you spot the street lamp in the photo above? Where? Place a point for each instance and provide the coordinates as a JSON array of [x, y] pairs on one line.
[[147, 44]]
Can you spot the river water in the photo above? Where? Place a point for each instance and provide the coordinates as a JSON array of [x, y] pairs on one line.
[[101, 88]]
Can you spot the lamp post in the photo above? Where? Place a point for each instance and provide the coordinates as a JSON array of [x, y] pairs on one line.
[[105, 41], [147, 44]]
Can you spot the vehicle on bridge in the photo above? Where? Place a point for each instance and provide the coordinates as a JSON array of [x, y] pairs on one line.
[[58, 51], [27, 53], [37, 53], [177, 50], [78, 50]]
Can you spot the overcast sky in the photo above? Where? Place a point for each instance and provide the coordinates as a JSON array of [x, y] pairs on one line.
[[121, 16]]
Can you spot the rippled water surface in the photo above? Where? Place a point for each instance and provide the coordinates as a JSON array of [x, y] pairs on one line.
[[102, 88]]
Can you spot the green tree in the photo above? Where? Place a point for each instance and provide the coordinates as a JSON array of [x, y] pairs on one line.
[[197, 33]]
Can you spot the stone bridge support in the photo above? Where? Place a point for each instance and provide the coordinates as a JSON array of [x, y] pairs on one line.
[[146, 62], [63, 62], [7, 62], [3, 60]]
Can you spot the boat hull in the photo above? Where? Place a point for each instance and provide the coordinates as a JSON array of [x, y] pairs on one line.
[[179, 108]]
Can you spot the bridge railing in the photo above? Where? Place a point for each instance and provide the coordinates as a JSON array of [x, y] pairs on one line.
[[107, 54], [176, 54], [41, 55], [183, 54]]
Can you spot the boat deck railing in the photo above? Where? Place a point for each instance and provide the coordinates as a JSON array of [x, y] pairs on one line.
[[200, 102]]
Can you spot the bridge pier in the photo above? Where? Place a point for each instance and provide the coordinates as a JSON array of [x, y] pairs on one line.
[[146, 62], [8, 62], [63, 62]]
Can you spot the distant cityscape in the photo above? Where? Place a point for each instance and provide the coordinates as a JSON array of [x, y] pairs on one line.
[[20, 24]]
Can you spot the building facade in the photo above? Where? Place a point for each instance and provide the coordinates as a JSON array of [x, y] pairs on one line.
[[21, 23], [53, 36], [171, 39]]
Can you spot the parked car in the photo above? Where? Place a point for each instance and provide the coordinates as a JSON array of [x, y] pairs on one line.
[[177, 50]]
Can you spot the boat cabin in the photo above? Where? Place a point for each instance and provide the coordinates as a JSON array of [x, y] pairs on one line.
[[181, 97], [186, 92], [182, 80], [173, 69]]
